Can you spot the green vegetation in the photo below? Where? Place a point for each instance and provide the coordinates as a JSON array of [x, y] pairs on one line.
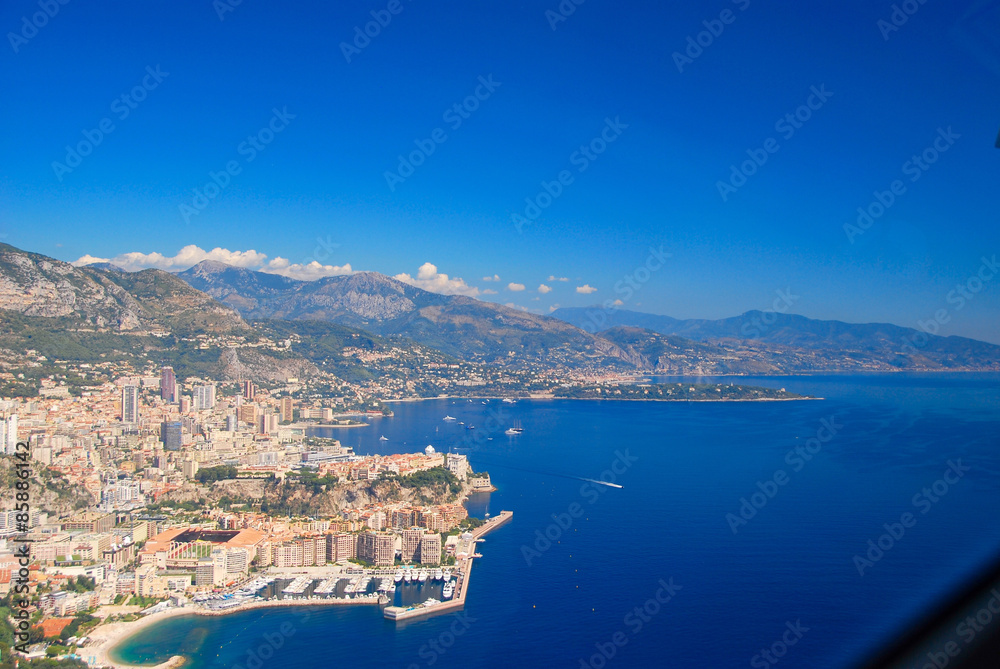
[[81, 584], [315, 482], [219, 473], [430, 478]]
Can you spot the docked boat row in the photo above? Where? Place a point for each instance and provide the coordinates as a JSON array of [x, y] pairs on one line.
[[326, 587], [298, 586]]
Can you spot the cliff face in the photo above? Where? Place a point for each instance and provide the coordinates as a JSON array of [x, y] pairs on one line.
[[249, 364], [295, 499], [35, 285], [107, 298]]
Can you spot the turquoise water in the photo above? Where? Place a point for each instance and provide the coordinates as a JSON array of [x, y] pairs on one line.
[[723, 596]]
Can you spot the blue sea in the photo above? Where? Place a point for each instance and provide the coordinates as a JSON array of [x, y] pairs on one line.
[[738, 528]]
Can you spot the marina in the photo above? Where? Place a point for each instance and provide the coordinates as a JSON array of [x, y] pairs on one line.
[[454, 592]]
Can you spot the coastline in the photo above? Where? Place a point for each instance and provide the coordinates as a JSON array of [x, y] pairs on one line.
[[614, 399], [112, 635]]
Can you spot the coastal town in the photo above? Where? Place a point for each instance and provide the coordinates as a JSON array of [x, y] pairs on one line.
[[153, 496]]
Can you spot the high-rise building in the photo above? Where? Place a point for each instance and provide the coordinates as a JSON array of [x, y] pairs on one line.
[[249, 390], [231, 422], [168, 385], [411, 543], [204, 397], [248, 414], [8, 434], [430, 548], [376, 548], [287, 409], [341, 546], [170, 435], [130, 405], [184, 404]]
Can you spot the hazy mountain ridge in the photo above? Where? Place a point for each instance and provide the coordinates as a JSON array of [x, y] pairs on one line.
[[461, 326], [769, 342]]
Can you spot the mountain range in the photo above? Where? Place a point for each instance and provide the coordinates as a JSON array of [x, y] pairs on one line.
[[98, 311]]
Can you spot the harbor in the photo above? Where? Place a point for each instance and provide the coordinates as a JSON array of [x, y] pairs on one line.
[[433, 607]]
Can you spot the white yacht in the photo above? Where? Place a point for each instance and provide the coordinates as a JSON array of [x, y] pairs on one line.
[[422, 576], [398, 577], [438, 574], [448, 591], [449, 418], [407, 576], [382, 438]]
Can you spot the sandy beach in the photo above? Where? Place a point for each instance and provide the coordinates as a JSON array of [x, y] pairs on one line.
[[106, 637]]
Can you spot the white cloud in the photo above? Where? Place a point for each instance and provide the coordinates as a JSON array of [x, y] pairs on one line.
[[543, 289], [192, 254], [515, 287], [618, 303], [586, 289], [88, 260], [553, 308], [308, 272], [188, 256], [489, 291], [553, 277], [431, 280], [495, 277]]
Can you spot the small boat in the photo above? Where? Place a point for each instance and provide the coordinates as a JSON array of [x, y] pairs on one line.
[[508, 400], [398, 577], [422, 577], [438, 574], [448, 418], [470, 427], [448, 590], [407, 577], [382, 438]]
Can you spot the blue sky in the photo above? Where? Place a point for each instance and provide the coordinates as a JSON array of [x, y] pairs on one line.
[[318, 190]]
